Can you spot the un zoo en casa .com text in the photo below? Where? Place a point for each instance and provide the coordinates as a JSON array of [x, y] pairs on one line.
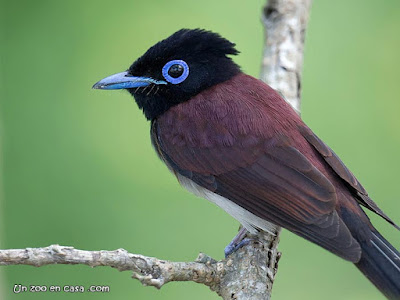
[[20, 288]]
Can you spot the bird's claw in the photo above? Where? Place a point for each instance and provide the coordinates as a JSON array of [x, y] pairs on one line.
[[233, 247]]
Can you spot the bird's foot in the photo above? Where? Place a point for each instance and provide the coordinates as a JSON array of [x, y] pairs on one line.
[[234, 247], [237, 242]]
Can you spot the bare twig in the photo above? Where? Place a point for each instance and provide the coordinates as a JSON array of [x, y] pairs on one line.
[[151, 271]]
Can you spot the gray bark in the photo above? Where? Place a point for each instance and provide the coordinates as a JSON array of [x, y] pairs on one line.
[[285, 23]]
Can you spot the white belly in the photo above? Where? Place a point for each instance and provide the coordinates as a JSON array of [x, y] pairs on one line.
[[249, 221]]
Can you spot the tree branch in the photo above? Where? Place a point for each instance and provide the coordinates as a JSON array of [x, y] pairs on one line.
[[285, 23], [220, 276], [149, 270], [249, 272]]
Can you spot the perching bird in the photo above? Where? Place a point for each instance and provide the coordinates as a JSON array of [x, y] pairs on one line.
[[232, 139]]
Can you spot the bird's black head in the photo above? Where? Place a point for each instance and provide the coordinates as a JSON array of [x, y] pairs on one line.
[[176, 69]]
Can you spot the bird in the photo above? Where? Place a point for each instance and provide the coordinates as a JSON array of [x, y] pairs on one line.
[[232, 139]]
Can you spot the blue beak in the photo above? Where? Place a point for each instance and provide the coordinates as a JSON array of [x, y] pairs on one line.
[[124, 80]]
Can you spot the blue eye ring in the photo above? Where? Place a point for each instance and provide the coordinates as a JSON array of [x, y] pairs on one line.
[[179, 79]]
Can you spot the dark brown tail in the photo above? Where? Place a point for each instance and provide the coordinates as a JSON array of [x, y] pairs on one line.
[[380, 263]]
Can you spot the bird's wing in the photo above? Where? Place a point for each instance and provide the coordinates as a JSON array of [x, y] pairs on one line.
[[344, 173], [269, 178]]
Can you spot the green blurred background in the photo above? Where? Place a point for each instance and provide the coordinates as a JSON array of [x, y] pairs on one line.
[[78, 168]]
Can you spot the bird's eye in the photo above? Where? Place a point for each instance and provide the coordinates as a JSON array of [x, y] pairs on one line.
[[175, 71]]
